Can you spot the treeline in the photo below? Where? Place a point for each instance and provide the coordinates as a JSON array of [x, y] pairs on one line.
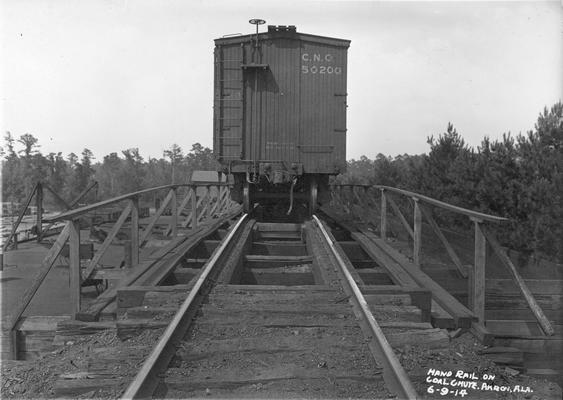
[[23, 165], [517, 177]]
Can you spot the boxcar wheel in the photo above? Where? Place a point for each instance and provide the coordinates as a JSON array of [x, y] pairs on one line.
[[313, 188], [246, 197]]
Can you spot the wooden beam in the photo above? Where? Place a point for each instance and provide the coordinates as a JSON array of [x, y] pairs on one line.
[[174, 211], [395, 271], [39, 215], [470, 291], [74, 266], [57, 197], [461, 314], [83, 210], [270, 261], [383, 229], [156, 216], [453, 255], [203, 211], [181, 207], [92, 185], [44, 269], [221, 200], [20, 217], [220, 195], [534, 307], [482, 334], [227, 202], [134, 202], [478, 276], [446, 206], [189, 218], [184, 202], [170, 255], [233, 268], [194, 206], [216, 203], [417, 233], [67, 206], [107, 242], [402, 218]]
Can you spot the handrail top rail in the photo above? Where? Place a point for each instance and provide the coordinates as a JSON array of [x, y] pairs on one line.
[[450, 207], [71, 214]]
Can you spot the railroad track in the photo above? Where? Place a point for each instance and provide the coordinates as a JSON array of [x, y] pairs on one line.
[[277, 311]]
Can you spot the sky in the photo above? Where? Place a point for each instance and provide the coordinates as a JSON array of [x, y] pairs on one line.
[[109, 75]]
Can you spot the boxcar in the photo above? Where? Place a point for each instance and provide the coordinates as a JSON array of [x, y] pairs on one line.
[[280, 115]]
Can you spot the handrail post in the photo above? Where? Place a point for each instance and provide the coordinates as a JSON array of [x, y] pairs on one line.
[[194, 206], [417, 230], [219, 199], [74, 266], [134, 231], [174, 211], [39, 206], [477, 289], [383, 215], [207, 209]]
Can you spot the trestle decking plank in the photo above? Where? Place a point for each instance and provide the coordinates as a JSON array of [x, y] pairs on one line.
[[536, 286], [279, 248], [294, 343], [263, 277], [75, 387], [137, 273], [274, 289], [394, 299], [431, 338], [519, 327], [232, 270], [395, 271], [133, 296], [461, 314], [265, 261], [440, 317], [145, 312], [266, 377]]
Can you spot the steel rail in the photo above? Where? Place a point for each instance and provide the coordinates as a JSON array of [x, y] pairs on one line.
[[144, 384], [394, 373]]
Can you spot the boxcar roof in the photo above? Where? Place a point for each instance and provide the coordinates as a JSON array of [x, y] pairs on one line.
[[283, 35]]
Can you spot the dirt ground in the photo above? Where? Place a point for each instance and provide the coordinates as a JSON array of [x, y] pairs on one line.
[[37, 379], [30, 380]]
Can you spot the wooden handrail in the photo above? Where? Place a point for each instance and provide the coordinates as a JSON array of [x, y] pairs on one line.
[[544, 323], [477, 280], [71, 214], [434, 202]]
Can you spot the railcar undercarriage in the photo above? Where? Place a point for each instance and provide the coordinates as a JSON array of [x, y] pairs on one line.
[[294, 195]]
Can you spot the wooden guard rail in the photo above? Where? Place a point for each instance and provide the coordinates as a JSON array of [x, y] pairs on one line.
[[207, 200], [38, 193], [360, 195]]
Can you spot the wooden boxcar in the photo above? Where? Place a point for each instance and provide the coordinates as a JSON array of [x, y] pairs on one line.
[[280, 114]]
